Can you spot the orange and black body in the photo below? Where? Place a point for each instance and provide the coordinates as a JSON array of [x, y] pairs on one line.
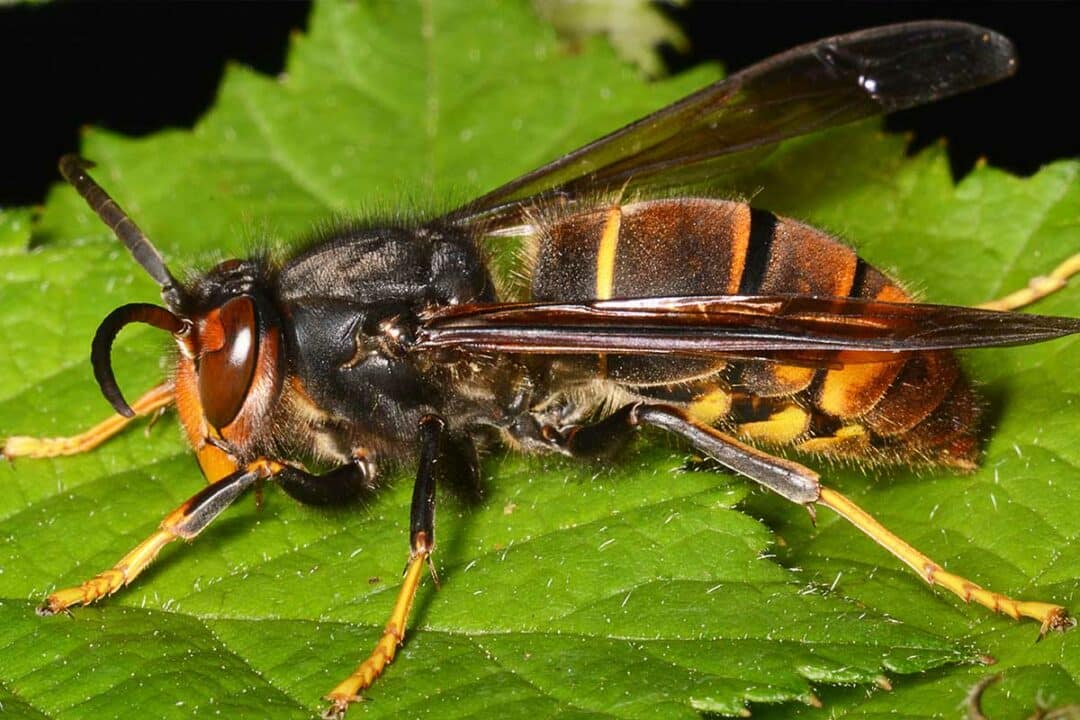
[[726, 325], [327, 343], [917, 408]]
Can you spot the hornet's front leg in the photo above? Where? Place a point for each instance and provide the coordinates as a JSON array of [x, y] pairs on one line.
[[154, 401], [421, 545], [185, 522]]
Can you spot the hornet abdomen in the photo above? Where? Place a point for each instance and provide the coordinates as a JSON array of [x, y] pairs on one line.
[[918, 408]]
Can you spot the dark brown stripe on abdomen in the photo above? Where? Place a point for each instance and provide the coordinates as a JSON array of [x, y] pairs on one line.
[[758, 251], [786, 257]]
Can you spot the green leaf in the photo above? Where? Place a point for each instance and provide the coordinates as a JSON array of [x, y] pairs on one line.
[[636, 28], [1012, 525], [14, 229], [578, 590]]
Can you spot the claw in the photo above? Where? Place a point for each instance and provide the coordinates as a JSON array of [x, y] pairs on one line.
[[336, 711], [52, 606], [1056, 619], [339, 706]]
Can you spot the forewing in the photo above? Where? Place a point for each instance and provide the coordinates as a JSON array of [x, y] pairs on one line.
[[731, 123], [797, 329]]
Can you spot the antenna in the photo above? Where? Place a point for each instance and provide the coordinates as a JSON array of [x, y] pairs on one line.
[[74, 168]]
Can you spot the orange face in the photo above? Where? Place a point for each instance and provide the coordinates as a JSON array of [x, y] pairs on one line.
[[226, 376]]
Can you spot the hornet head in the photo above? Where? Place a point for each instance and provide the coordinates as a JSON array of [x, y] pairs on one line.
[[222, 323]]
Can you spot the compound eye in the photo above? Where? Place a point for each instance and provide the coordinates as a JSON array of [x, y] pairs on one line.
[[227, 369]]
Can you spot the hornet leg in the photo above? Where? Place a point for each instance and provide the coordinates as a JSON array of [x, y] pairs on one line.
[[800, 484], [1038, 287], [356, 480], [788, 479], [185, 522], [19, 446], [421, 544], [341, 486], [1051, 617]]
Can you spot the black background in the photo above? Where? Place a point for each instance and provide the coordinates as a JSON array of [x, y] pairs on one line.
[[140, 67]]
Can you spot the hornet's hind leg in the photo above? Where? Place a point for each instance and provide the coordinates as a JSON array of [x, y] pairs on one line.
[[800, 484]]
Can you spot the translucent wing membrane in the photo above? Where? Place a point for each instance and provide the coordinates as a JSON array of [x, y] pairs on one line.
[[729, 124], [805, 330]]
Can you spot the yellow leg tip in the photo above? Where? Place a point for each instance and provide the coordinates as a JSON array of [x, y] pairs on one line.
[[22, 446], [338, 706], [1050, 617], [348, 691], [58, 602], [1054, 617], [104, 584], [61, 600], [51, 607]]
